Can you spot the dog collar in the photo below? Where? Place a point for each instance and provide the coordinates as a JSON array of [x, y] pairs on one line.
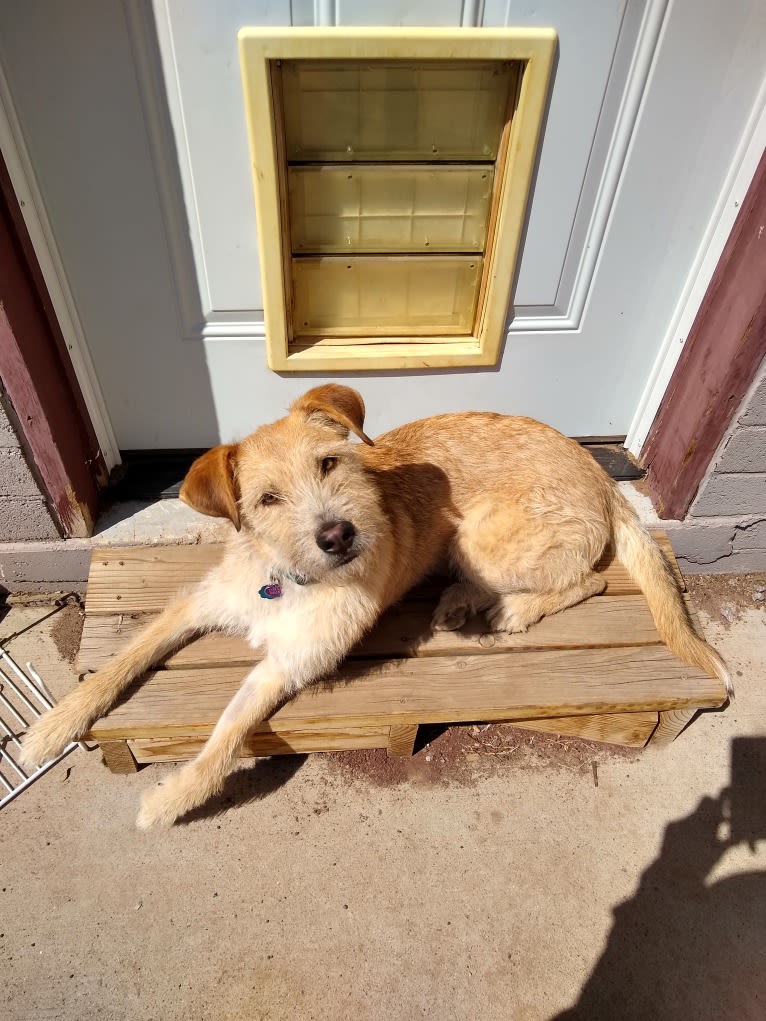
[[274, 588]]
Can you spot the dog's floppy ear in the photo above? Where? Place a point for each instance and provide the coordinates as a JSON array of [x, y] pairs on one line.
[[335, 405], [210, 486]]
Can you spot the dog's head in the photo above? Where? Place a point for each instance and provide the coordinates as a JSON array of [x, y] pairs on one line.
[[297, 486]]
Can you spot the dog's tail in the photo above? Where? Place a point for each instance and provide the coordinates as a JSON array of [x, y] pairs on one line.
[[650, 570]]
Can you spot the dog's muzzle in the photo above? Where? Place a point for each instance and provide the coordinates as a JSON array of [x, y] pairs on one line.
[[336, 537]]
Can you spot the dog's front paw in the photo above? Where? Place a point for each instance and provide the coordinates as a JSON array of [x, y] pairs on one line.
[[168, 801], [156, 809], [510, 614]]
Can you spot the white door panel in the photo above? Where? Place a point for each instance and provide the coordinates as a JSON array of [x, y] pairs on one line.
[[199, 57], [134, 120], [198, 41]]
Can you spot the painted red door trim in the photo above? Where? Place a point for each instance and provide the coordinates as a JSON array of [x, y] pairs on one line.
[[39, 379], [726, 344]]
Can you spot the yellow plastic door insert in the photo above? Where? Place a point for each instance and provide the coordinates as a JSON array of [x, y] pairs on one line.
[[390, 185]]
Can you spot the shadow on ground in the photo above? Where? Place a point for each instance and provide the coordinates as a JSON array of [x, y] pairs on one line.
[[249, 784], [685, 947]]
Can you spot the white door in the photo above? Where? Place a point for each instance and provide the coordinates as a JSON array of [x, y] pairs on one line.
[[132, 116]]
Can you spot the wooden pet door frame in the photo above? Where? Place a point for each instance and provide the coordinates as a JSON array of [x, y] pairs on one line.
[[391, 170]]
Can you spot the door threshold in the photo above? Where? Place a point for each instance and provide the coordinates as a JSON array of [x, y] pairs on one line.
[[157, 474]]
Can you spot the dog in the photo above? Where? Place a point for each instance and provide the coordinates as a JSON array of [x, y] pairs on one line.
[[328, 533]]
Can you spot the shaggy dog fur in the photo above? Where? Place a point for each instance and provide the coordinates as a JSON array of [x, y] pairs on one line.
[[345, 529]]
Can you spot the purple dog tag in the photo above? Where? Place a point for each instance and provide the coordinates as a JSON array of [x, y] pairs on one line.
[[272, 591]]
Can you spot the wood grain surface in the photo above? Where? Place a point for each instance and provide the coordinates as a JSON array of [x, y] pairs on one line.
[[405, 630], [444, 689], [598, 670], [141, 579]]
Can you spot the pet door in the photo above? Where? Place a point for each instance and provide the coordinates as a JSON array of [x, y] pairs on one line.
[[391, 174]]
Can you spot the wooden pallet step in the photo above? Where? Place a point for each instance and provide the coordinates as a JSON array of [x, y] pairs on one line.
[[404, 631], [444, 689], [597, 670], [142, 579], [629, 729]]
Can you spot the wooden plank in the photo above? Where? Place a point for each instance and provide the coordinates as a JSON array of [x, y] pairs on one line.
[[632, 729], [102, 637], [401, 739], [291, 742], [670, 725], [40, 381], [443, 689], [118, 757], [405, 631], [141, 579]]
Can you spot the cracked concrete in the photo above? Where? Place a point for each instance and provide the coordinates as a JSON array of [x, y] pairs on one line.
[[726, 526], [720, 547]]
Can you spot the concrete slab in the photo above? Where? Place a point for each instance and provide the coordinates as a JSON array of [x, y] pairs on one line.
[[62, 564], [135, 523], [505, 886]]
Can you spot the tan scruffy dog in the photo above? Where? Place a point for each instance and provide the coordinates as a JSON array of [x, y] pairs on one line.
[[330, 533]]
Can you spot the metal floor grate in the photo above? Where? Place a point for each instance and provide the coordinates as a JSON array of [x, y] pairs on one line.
[[23, 698]]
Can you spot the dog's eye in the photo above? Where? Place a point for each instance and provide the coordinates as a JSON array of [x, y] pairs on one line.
[[268, 498], [328, 463]]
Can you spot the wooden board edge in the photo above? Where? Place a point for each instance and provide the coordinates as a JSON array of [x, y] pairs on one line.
[[288, 742], [102, 732], [631, 730]]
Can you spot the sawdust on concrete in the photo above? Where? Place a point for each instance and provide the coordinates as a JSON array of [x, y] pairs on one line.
[[725, 597], [467, 754], [56, 598]]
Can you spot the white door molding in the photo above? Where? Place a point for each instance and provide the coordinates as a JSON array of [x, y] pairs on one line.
[[25, 186], [743, 166]]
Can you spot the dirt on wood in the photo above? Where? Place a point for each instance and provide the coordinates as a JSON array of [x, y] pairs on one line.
[[67, 629], [466, 754], [725, 597]]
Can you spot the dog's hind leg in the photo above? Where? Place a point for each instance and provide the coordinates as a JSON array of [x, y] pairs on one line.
[[533, 551], [70, 719], [517, 611], [191, 785]]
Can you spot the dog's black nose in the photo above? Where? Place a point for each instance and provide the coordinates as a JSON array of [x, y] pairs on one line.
[[336, 536]]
